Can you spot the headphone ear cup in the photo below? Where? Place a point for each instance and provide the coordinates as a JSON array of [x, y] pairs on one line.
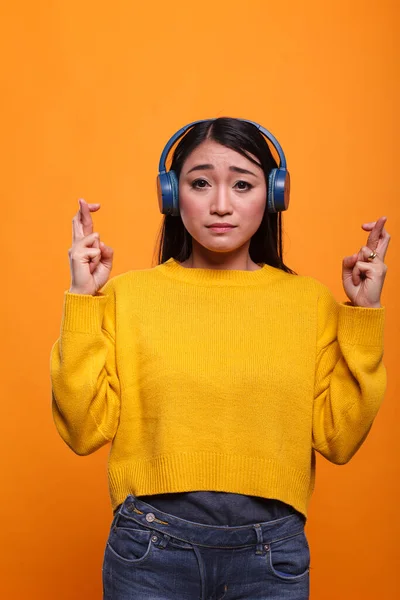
[[278, 190], [168, 193]]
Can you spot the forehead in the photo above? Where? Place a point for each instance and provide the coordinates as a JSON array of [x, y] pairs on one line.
[[211, 151]]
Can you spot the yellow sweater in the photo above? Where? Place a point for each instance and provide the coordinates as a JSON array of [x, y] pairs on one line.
[[216, 380]]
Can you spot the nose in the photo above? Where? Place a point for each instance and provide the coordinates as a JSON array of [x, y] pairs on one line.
[[221, 202]]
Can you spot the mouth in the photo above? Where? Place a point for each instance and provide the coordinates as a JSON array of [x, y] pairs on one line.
[[221, 228]]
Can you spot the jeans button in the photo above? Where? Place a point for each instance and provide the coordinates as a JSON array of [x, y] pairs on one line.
[[150, 517]]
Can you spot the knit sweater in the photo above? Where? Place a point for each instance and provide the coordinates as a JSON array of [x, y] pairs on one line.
[[223, 380]]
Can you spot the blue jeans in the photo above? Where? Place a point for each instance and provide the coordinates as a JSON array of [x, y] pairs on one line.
[[152, 555]]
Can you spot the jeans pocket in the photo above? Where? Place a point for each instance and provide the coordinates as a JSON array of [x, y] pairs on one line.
[[129, 541], [289, 559]]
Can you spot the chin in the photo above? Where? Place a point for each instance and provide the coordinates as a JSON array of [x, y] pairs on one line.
[[220, 248]]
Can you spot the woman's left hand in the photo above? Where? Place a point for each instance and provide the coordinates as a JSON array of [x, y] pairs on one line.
[[363, 279]]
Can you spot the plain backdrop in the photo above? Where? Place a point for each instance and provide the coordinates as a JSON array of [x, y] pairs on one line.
[[90, 93]]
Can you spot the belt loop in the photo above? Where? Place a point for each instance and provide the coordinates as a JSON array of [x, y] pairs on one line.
[[259, 548], [164, 540], [115, 520]]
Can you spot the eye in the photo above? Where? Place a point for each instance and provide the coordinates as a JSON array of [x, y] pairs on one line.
[[246, 183], [193, 185]]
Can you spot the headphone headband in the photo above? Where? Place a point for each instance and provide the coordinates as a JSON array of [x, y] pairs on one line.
[[178, 134]]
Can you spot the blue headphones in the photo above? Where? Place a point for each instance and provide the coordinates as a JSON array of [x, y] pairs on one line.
[[167, 183]]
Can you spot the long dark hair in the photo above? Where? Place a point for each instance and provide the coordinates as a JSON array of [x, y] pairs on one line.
[[266, 244]]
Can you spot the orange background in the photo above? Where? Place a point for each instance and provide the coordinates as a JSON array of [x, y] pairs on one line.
[[90, 93]]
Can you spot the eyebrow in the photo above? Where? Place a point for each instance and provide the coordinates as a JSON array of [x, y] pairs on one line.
[[231, 168]]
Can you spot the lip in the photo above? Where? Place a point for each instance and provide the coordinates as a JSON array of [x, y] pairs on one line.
[[221, 228], [221, 225]]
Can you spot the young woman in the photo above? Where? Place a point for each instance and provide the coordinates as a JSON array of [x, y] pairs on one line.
[[216, 375]]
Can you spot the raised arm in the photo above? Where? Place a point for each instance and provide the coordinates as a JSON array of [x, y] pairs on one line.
[[83, 368]]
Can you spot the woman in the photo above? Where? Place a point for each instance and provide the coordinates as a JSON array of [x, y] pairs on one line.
[[216, 375]]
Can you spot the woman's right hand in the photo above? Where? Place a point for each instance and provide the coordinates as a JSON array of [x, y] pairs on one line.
[[90, 259]]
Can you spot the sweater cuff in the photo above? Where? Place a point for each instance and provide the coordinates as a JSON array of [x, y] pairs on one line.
[[83, 312], [358, 325]]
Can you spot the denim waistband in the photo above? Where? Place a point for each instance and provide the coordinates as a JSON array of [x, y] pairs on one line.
[[219, 508], [136, 510]]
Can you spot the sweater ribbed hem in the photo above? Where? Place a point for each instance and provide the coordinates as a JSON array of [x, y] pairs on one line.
[[203, 471], [83, 312], [360, 325]]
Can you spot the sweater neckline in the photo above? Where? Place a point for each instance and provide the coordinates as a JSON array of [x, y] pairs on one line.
[[200, 276]]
